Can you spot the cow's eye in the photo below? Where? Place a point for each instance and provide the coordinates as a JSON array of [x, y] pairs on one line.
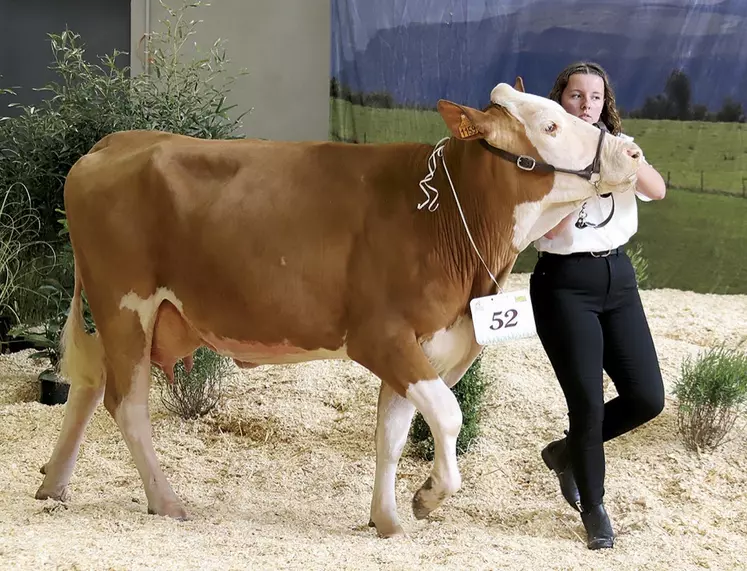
[[550, 128]]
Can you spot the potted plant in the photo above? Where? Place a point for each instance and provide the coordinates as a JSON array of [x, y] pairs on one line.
[[55, 292], [45, 338]]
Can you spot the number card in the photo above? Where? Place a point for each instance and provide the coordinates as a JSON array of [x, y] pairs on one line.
[[502, 317]]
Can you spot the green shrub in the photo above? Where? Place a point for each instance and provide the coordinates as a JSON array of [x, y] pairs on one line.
[[53, 301], [469, 392], [92, 100], [712, 392], [183, 92], [181, 95], [194, 393], [640, 265], [19, 226]]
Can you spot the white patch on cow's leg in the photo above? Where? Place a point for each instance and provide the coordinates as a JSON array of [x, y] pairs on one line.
[[453, 376], [449, 347], [133, 419], [441, 411], [132, 415], [82, 402], [394, 415], [451, 351]]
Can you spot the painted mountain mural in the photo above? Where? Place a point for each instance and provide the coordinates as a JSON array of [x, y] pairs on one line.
[[418, 51]]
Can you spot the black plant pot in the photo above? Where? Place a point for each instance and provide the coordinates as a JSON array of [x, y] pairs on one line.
[[53, 390]]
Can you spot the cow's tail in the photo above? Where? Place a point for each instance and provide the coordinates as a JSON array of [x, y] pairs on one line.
[[82, 359]]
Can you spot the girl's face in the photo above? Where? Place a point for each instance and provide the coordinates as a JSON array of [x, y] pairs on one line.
[[584, 96]]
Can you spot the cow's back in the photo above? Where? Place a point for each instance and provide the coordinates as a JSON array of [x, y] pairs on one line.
[[334, 181]]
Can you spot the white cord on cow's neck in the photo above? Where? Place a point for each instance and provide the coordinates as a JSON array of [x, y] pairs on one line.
[[438, 150], [432, 203]]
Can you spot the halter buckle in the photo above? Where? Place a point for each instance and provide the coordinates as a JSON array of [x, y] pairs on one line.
[[526, 163]]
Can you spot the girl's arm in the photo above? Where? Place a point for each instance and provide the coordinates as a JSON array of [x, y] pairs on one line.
[[650, 183]]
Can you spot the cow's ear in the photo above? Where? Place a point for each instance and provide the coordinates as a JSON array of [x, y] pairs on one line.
[[519, 84], [464, 122]]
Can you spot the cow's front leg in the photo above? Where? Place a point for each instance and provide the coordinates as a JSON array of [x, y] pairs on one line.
[[399, 361], [441, 412], [394, 415]]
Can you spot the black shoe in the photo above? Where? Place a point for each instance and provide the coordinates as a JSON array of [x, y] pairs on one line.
[[555, 456], [598, 528]]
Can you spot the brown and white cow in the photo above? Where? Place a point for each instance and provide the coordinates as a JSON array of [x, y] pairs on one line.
[[280, 252]]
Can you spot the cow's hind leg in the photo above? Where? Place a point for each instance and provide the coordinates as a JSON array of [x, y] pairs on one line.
[[394, 415], [81, 404], [82, 363], [399, 361], [126, 398]]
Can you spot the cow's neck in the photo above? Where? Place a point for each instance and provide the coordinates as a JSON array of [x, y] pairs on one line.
[[484, 189], [514, 205]]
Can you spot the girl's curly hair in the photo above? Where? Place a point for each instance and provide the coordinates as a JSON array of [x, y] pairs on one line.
[[610, 115]]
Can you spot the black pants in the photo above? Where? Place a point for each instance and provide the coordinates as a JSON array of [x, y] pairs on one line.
[[589, 317]]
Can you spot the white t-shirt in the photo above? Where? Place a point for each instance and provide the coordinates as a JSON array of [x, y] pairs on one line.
[[616, 232]]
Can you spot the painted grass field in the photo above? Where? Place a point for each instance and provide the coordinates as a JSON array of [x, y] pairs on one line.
[[684, 149], [692, 241]]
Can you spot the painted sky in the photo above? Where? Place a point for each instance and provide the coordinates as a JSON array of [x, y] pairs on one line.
[[384, 45]]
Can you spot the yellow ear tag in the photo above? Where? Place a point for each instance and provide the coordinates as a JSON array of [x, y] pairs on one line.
[[466, 127]]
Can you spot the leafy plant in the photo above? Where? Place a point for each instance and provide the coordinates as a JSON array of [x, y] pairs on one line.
[[712, 392], [55, 296], [46, 340], [469, 392], [183, 91], [46, 336], [197, 392], [19, 226], [89, 101], [640, 265], [187, 97]]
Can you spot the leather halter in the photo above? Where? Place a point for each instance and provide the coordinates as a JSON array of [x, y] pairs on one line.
[[527, 163]]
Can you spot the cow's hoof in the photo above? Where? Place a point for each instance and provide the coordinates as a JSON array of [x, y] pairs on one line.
[[173, 510], [387, 530], [61, 494], [426, 500]]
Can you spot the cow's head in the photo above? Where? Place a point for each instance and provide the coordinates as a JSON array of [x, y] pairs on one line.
[[526, 124]]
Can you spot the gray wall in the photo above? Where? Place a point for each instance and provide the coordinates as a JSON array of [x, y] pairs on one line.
[[285, 47], [25, 53]]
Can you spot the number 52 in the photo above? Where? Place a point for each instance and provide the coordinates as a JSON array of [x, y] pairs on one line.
[[498, 322]]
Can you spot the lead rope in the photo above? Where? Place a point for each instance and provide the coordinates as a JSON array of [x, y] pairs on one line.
[[438, 151], [581, 220]]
